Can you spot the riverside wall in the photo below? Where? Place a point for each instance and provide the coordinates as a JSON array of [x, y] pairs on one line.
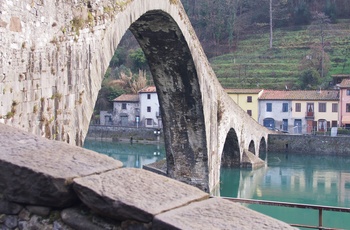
[[117, 133], [309, 144]]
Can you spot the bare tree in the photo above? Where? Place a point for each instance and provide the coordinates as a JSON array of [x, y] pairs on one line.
[[319, 29], [139, 83]]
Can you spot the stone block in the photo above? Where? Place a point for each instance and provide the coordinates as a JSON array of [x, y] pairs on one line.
[[9, 208], [131, 193], [38, 171], [216, 213]]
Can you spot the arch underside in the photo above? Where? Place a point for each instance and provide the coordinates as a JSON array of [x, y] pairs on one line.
[[231, 152], [180, 99], [263, 149]]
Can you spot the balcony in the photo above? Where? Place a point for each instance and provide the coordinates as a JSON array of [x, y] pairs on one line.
[[309, 116]]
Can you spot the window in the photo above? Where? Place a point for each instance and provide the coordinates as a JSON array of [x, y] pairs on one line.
[[148, 96], [285, 107], [322, 107], [249, 112], [268, 107], [334, 123], [297, 107], [123, 105], [249, 98], [348, 92], [322, 125], [348, 108], [149, 109], [149, 122], [334, 107]]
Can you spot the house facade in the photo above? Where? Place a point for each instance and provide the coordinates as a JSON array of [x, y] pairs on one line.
[[299, 111], [126, 110], [149, 111], [247, 99], [344, 113]]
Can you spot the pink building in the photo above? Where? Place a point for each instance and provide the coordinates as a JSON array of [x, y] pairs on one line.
[[344, 113]]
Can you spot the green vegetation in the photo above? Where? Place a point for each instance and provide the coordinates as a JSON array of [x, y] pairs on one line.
[[254, 65]]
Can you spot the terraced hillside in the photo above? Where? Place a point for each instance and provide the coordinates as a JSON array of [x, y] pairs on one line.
[[254, 65]]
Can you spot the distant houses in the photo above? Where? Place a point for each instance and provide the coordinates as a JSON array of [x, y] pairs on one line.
[[289, 111], [134, 110], [298, 111]]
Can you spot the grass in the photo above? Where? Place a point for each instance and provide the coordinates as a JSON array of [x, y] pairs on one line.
[[254, 65]]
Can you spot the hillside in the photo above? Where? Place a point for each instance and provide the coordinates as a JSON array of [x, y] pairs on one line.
[[254, 65]]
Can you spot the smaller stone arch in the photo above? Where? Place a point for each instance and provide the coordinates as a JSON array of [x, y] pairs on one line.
[[251, 147], [231, 156], [263, 149]]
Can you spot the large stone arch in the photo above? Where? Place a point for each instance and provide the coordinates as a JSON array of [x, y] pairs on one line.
[[179, 94], [53, 62]]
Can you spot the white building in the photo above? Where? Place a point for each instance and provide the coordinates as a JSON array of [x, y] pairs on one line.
[[149, 108]]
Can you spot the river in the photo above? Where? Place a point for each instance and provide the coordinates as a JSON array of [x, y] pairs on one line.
[[308, 179]]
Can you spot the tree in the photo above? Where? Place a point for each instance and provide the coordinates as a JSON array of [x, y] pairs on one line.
[[319, 29], [309, 79], [316, 59], [278, 12], [138, 59]]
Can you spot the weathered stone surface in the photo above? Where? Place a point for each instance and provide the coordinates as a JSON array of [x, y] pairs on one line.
[[9, 208], [24, 215], [15, 24], [75, 219], [39, 210], [35, 222], [216, 213], [130, 193], [38, 171], [11, 221]]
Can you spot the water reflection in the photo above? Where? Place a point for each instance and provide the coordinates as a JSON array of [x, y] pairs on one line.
[[132, 155], [309, 179]]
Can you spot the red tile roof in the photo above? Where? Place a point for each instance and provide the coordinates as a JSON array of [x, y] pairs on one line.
[[243, 91], [345, 83], [148, 89], [317, 95], [127, 98]]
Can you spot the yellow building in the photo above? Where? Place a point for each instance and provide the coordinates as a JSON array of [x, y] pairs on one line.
[[247, 99]]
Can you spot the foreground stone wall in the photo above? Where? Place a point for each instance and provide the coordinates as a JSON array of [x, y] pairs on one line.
[[52, 185], [309, 144]]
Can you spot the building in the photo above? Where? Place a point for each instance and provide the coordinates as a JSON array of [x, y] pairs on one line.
[[300, 111], [149, 110], [247, 99], [126, 110], [344, 113]]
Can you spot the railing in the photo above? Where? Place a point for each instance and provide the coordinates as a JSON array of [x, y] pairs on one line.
[[320, 209]]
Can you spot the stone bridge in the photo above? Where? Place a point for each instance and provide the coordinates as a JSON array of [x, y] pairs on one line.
[[53, 56]]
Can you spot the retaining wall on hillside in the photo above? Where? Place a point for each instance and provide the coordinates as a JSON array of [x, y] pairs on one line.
[[309, 144]]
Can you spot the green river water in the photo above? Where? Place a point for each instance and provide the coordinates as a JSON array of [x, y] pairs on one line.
[[307, 179]]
